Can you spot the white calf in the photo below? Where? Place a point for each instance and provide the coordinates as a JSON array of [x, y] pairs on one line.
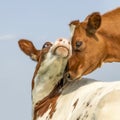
[[83, 99], [49, 70]]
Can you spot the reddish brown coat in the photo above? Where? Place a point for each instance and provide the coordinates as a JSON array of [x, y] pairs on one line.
[[94, 41]]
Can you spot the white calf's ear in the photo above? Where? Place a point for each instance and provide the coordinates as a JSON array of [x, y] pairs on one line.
[[29, 49]]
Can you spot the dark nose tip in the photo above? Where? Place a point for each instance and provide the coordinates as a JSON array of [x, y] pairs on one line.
[[78, 43], [67, 76]]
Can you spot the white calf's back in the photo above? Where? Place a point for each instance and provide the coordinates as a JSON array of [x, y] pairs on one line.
[[87, 100]]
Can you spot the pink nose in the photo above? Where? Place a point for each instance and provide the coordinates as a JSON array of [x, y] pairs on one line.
[[67, 76]]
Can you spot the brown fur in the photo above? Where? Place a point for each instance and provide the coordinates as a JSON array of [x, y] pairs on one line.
[[100, 37]]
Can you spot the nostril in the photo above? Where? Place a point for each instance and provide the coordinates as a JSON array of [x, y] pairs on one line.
[[78, 43], [60, 40], [69, 43], [68, 75]]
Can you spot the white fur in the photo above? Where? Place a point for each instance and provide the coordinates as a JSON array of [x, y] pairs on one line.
[[96, 101], [46, 78]]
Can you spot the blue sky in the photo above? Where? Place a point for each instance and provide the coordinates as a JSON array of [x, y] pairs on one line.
[[38, 21]]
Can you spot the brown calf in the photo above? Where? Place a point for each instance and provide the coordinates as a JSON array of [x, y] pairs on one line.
[[94, 41]]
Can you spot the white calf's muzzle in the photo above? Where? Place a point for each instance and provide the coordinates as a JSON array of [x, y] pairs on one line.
[[62, 48]]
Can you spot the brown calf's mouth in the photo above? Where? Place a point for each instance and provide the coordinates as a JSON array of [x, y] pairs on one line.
[[61, 51], [72, 76]]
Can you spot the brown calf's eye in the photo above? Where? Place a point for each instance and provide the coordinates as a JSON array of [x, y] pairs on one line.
[[78, 43]]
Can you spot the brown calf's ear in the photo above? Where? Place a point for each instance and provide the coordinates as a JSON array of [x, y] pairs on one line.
[[28, 48], [94, 22]]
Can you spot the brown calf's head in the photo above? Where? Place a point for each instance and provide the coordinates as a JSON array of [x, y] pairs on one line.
[[87, 47]]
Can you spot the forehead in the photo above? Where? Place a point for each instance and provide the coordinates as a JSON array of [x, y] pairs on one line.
[[77, 29]]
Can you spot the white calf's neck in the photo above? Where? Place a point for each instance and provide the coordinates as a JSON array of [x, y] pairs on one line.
[[46, 81]]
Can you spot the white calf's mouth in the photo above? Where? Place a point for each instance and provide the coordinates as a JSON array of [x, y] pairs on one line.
[[61, 51]]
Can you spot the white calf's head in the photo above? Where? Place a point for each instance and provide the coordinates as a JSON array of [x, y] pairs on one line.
[[54, 54]]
